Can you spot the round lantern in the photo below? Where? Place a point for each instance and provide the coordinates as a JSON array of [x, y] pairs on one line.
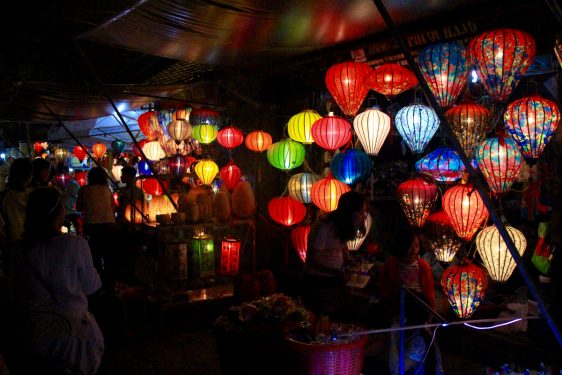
[[494, 252], [445, 68], [416, 124], [230, 137], [144, 168], [464, 206], [299, 126], [153, 151], [501, 57], [443, 165], [500, 162], [469, 123], [444, 241], [299, 186], [61, 153], [356, 243], [99, 150], [79, 153], [117, 147], [63, 179], [258, 141], [372, 128], [326, 193], [299, 239], [136, 149], [230, 256], [464, 285], [416, 197], [205, 133], [178, 165], [347, 84], [331, 132], [205, 116], [206, 170], [230, 175], [145, 121], [116, 172], [81, 177], [391, 79], [152, 186], [286, 154], [38, 148], [531, 122], [179, 130], [160, 205], [351, 166], [286, 210]]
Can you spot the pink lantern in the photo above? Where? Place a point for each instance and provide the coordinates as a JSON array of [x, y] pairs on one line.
[[347, 84], [331, 132]]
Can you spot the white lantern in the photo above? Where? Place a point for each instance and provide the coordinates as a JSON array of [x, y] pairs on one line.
[[153, 150], [495, 254], [356, 243], [300, 184], [179, 130], [372, 128]]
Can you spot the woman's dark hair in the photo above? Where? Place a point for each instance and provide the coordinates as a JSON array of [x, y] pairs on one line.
[[39, 166], [43, 206], [342, 217], [20, 174], [403, 239], [128, 171], [97, 176]]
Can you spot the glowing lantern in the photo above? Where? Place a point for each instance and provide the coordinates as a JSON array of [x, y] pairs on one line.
[[351, 166], [79, 153], [99, 150], [206, 170], [81, 177], [144, 168], [63, 179], [331, 132], [205, 133], [61, 153], [169, 146], [160, 205], [179, 130], [136, 149], [258, 141], [153, 151], [145, 121], [464, 206], [152, 186], [416, 124], [116, 172], [38, 148], [203, 249], [464, 285], [500, 162], [299, 126], [469, 123], [286, 154], [135, 215], [299, 239], [299, 186], [178, 165], [230, 175], [286, 210], [391, 79], [531, 122], [326, 193], [230, 137], [230, 256], [205, 116], [183, 114], [443, 165], [416, 197], [494, 252], [372, 128], [444, 240], [347, 84], [356, 243], [189, 160], [445, 68], [117, 147], [501, 57]]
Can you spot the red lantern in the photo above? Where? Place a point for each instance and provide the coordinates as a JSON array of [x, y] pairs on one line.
[[326, 193], [465, 208], [145, 121], [79, 153], [331, 132], [347, 84], [152, 186], [63, 179], [230, 137], [230, 175], [81, 178], [465, 287], [391, 79], [141, 143], [189, 160], [444, 240], [286, 210], [299, 238], [258, 141], [416, 197], [230, 256], [37, 147], [99, 150]]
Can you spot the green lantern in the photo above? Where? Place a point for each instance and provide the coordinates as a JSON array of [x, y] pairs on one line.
[[204, 133], [286, 154], [117, 146], [203, 258]]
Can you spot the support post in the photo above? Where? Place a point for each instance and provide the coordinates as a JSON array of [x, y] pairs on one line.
[[401, 358]]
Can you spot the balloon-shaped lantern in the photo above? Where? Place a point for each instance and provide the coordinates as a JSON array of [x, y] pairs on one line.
[[117, 147], [145, 121], [38, 148], [443, 165], [500, 162], [286, 154], [372, 128], [391, 79], [416, 124], [465, 208], [347, 82], [351, 166], [469, 123], [258, 141], [144, 168], [152, 186], [230, 137], [79, 153], [300, 124], [61, 153], [356, 243], [416, 197], [299, 238], [99, 150], [204, 133], [153, 150], [299, 186], [206, 170], [326, 193], [178, 165], [331, 132], [444, 241], [205, 116], [230, 175], [63, 179], [464, 285], [286, 210], [179, 130]]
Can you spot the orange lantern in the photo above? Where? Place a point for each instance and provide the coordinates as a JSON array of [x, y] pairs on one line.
[[230, 137], [160, 205], [230, 175], [391, 79], [326, 193], [258, 141], [99, 150], [465, 208], [416, 197], [230, 256], [347, 84], [79, 153], [135, 215], [299, 238], [286, 210], [145, 121]]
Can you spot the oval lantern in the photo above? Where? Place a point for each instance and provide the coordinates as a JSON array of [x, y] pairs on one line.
[[144, 168], [469, 122], [464, 285], [286, 210], [205, 116], [351, 166], [145, 121], [61, 154], [258, 141], [136, 149], [326, 193], [300, 124], [355, 244], [81, 177], [117, 147], [464, 206], [179, 130], [205, 133], [230, 137], [230, 175], [299, 239], [299, 186], [178, 165], [331, 132], [206, 170], [391, 79], [286, 154], [416, 197], [63, 179], [152, 186], [372, 128], [494, 252], [153, 151], [38, 148], [443, 165], [531, 122], [500, 162], [444, 241], [347, 83], [501, 57], [80, 153], [99, 150], [416, 124]]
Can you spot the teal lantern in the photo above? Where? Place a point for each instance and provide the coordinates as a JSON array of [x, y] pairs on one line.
[[286, 154], [443, 165], [351, 166], [416, 124], [117, 146], [203, 255]]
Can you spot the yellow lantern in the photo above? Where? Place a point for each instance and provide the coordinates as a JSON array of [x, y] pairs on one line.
[[206, 170], [153, 151], [61, 153], [205, 133], [299, 126], [99, 150]]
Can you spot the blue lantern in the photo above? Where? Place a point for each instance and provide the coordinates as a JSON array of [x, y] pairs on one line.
[[443, 165], [416, 124], [144, 168], [351, 166]]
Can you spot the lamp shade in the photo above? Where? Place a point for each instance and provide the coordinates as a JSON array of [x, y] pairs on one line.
[[203, 252], [152, 186], [179, 130], [355, 244], [347, 83], [331, 132], [206, 170], [145, 121], [300, 124], [136, 149], [258, 141], [230, 175], [500, 162], [494, 252], [230, 137], [99, 150], [117, 147], [444, 241], [372, 128], [501, 57], [416, 197], [416, 124], [443, 165], [79, 153], [391, 79], [61, 153], [81, 177], [286, 154], [464, 206], [204, 133], [286, 210], [153, 150], [464, 285], [178, 165], [230, 256], [326, 193], [205, 116], [300, 184], [299, 239], [351, 166], [469, 123]]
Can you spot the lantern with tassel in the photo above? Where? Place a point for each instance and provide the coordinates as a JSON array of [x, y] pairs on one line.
[[464, 285], [286, 210], [258, 141], [351, 166], [206, 170], [99, 150], [326, 193], [500, 162], [465, 208], [230, 137], [391, 79], [331, 132], [299, 186], [444, 241], [416, 197], [300, 124], [372, 128], [230, 175], [347, 83], [355, 244], [443, 165], [230, 256], [179, 130], [469, 123], [205, 133], [299, 239], [286, 154], [79, 153], [416, 124]]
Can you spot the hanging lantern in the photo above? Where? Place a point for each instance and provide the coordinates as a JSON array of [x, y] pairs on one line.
[[500, 162], [203, 250], [205, 116], [444, 240], [258, 141], [99, 150], [145, 121], [445, 68], [416, 124], [531, 122], [160, 205], [469, 123], [331, 132], [63, 179], [205, 133], [230, 256], [81, 177], [38, 148], [61, 153], [501, 57], [152, 186], [416, 197], [464, 285], [230, 175], [355, 244], [300, 124], [117, 147], [169, 146], [465, 208], [206, 170], [179, 130], [347, 84], [79, 153], [189, 161], [443, 165], [326, 193], [286, 154], [144, 168], [183, 113], [136, 149], [178, 165], [116, 172], [135, 215], [299, 186], [494, 252], [391, 79], [286, 210], [230, 137], [351, 166], [299, 239], [372, 128], [153, 151]]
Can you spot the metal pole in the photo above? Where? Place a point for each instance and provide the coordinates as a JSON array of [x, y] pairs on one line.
[[401, 358], [480, 185]]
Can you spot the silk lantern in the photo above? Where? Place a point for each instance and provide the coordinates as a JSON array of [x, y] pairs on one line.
[[153, 151], [347, 83], [143, 167], [80, 153], [136, 149], [501, 57], [464, 206], [416, 124], [494, 252], [464, 285], [63, 179], [230, 137], [230, 175], [179, 130], [531, 122], [205, 116], [299, 239], [331, 132], [351, 166], [444, 241], [99, 150], [116, 172], [152, 186], [326, 193], [469, 123], [178, 165], [258, 141], [38, 148], [230, 256], [145, 121], [117, 147], [204, 133], [203, 250], [61, 153], [286, 154], [81, 177], [500, 162], [443, 165], [206, 170], [286, 210], [300, 124], [372, 128], [416, 197], [391, 79], [300, 184], [355, 244]]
